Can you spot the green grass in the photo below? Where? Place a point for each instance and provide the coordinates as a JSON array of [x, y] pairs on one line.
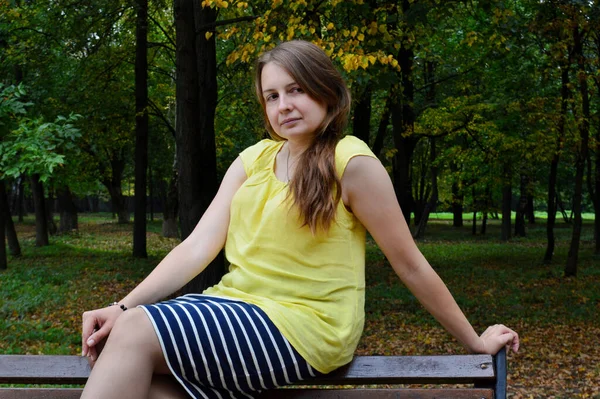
[[493, 280]]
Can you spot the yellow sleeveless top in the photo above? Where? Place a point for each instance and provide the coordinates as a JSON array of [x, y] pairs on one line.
[[311, 286]]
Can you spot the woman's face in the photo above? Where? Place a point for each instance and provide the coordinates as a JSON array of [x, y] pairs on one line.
[[292, 113]]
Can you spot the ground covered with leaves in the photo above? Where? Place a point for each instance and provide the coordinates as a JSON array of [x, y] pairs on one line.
[[45, 291]]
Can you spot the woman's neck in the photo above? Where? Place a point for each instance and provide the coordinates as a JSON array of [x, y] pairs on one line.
[[296, 148]]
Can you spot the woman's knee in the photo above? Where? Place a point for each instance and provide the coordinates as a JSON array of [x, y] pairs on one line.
[[134, 331]]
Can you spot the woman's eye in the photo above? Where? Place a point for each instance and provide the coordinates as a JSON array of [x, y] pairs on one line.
[[297, 90], [271, 97]]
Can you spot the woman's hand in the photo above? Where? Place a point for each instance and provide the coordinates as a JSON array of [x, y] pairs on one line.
[[497, 336], [97, 324]]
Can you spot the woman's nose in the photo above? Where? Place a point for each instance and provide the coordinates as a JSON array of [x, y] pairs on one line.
[[284, 103]]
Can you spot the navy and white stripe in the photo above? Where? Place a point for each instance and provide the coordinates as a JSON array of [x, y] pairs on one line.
[[223, 348]]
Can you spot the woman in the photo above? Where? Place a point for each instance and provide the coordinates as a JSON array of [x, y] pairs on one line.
[[292, 214]]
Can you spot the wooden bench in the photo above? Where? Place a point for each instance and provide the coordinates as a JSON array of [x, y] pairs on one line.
[[484, 374]]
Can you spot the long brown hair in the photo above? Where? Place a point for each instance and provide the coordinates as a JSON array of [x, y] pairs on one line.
[[315, 187]]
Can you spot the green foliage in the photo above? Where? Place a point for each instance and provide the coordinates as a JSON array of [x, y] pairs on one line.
[[12, 106], [38, 147]]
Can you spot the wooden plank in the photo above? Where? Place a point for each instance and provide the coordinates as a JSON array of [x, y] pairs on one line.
[[43, 369], [394, 393], [40, 393], [33, 369], [71, 393], [364, 370]]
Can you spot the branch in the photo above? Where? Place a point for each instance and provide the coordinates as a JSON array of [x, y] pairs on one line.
[[443, 80], [213, 25], [162, 45], [163, 31], [161, 116]]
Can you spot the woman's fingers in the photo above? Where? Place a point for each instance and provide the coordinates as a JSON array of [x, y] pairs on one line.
[[89, 323], [97, 324], [497, 336]]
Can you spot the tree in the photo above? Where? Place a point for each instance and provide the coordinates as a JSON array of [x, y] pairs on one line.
[[35, 149], [12, 106], [196, 102], [141, 129]]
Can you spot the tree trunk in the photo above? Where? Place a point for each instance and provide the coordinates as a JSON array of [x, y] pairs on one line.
[[361, 126], [597, 196], [433, 199], [552, 200], [484, 219], [403, 120], [506, 204], [474, 221], [21, 199], [195, 135], [4, 212], [41, 221], [52, 229], [457, 199], [596, 191], [582, 154], [67, 209], [113, 185], [170, 206], [141, 129], [520, 216], [382, 129]]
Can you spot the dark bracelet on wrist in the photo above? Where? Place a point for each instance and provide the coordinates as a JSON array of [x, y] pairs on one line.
[[123, 307]]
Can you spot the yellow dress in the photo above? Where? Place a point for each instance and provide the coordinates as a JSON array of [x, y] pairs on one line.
[[311, 286]]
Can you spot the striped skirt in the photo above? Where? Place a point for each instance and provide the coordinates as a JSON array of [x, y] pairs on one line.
[[223, 348]]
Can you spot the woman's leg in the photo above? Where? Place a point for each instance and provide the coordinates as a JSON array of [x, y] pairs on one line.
[[131, 356], [166, 387]]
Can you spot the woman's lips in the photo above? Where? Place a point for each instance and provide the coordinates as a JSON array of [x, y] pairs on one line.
[[289, 121]]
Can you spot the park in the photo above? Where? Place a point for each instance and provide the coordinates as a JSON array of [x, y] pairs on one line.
[[118, 120]]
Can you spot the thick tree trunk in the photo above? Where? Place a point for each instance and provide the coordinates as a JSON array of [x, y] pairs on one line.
[[361, 126], [195, 134], [521, 208], [506, 204], [41, 221], [552, 200], [141, 129], [403, 120], [67, 209], [582, 154]]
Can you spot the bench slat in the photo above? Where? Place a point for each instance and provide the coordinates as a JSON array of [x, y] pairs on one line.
[[40, 393], [47, 393], [364, 370], [45, 369]]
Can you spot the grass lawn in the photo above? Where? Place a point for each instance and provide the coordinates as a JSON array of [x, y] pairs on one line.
[[45, 291]]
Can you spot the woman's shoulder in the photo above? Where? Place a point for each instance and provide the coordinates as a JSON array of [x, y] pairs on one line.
[[348, 148], [252, 156]]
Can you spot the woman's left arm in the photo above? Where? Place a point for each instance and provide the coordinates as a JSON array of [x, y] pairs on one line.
[[368, 191]]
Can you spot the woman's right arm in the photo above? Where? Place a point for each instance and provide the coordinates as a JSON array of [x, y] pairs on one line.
[[182, 264]]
